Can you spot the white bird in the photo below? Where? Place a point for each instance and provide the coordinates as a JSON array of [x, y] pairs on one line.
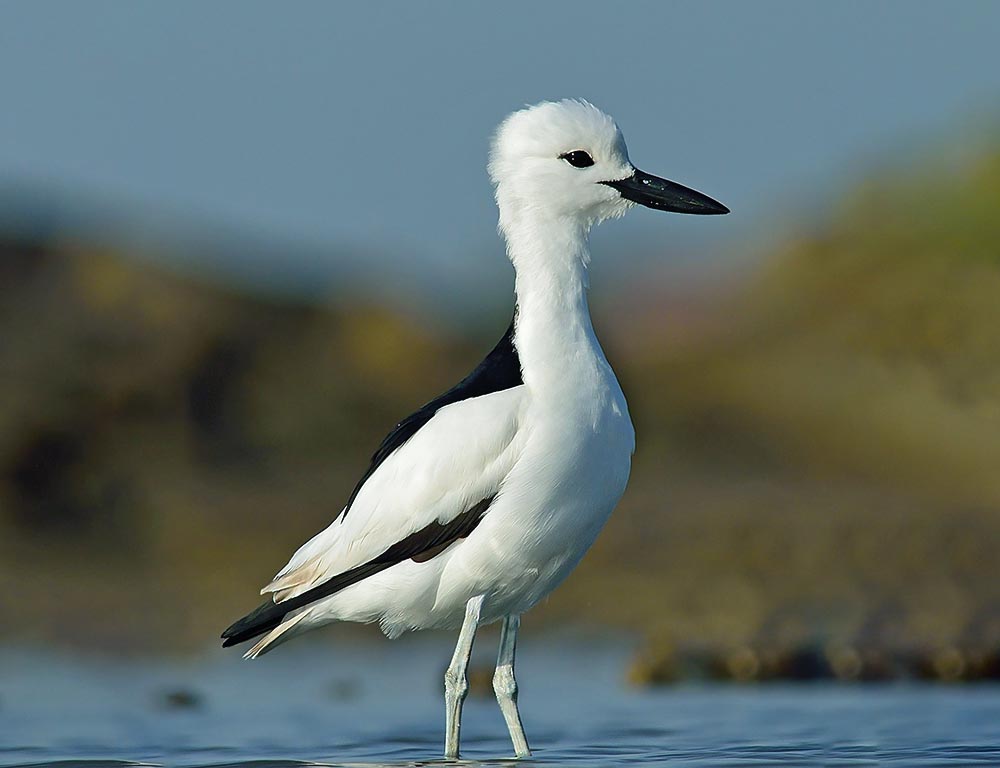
[[478, 505]]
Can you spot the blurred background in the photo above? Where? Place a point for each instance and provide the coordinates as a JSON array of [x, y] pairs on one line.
[[239, 241]]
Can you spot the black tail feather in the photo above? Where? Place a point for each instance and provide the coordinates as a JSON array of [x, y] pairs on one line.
[[262, 619]]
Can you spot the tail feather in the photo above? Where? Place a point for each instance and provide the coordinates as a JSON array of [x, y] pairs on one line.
[[418, 546], [269, 615], [262, 619], [275, 637]]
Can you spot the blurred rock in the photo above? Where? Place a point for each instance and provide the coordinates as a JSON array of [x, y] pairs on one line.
[[655, 664], [345, 689], [181, 699]]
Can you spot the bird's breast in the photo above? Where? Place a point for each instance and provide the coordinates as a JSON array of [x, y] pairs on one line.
[[571, 469], [576, 458]]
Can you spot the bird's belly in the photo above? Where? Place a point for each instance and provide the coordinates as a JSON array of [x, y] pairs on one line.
[[551, 508]]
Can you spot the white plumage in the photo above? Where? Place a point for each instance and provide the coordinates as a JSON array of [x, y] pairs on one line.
[[548, 457], [460, 457]]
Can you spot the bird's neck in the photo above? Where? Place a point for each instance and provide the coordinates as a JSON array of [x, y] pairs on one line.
[[553, 333]]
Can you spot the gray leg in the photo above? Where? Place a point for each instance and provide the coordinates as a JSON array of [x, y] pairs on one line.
[[456, 683], [506, 686]]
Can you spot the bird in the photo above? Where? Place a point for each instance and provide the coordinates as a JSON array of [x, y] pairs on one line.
[[480, 503]]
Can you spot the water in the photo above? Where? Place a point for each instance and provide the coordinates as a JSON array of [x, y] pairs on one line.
[[379, 703]]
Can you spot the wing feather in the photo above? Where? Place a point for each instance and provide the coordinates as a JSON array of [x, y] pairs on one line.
[[459, 458], [499, 370], [429, 484]]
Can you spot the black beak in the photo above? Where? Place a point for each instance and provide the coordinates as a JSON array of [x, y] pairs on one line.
[[654, 192]]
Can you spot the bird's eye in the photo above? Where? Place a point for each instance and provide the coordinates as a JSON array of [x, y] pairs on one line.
[[577, 158]]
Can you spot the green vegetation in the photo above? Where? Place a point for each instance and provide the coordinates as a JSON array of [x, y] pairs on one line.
[[818, 464]]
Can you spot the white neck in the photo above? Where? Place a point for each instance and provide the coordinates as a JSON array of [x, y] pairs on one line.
[[553, 333]]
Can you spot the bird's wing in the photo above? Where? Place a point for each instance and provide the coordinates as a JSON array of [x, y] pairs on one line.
[[431, 478], [499, 370], [430, 491]]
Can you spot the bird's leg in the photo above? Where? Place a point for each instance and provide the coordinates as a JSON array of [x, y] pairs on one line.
[[456, 682], [506, 686]]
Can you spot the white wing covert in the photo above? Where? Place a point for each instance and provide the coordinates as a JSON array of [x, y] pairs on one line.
[[458, 459]]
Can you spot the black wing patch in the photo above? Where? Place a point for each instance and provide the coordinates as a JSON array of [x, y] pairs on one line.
[[499, 370], [420, 546]]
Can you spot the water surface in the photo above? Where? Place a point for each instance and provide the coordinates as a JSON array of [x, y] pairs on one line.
[[379, 703]]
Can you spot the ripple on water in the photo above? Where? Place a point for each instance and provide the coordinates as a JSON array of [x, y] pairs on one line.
[[63, 713]]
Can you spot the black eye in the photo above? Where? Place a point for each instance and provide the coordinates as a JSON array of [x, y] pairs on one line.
[[577, 158]]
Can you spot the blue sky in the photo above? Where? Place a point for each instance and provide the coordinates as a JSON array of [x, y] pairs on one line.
[[362, 128]]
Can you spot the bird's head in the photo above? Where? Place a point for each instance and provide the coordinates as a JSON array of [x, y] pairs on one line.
[[567, 159]]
